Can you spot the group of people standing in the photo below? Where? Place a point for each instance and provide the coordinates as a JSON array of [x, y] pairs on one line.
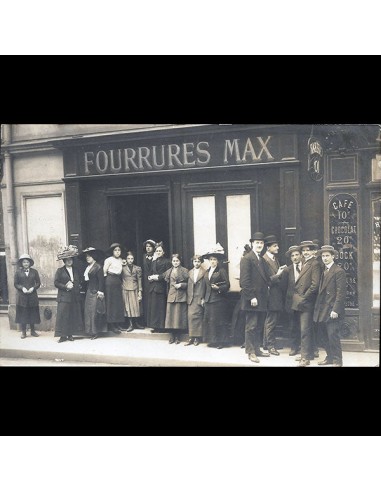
[[312, 291], [169, 298]]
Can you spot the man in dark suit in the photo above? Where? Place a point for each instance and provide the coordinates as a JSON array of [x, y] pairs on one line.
[[314, 326], [289, 276], [275, 302], [255, 284], [330, 306], [303, 302]]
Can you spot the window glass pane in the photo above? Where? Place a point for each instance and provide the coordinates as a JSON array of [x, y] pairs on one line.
[[239, 233], [204, 223], [376, 205]]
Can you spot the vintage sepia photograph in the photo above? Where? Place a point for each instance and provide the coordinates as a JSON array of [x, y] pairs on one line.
[[198, 245]]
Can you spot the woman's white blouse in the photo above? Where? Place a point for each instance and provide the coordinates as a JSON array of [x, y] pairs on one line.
[[112, 265]]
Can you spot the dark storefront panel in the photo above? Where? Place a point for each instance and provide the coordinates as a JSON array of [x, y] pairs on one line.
[[153, 186]]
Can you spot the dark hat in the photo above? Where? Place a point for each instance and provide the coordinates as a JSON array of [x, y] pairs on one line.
[[67, 252], [112, 247], [25, 257], [328, 249], [257, 236], [270, 240], [310, 244], [95, 253], [291, 249], [149, 241]]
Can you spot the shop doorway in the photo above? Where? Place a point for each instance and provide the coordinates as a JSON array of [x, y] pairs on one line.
[[135, 218]]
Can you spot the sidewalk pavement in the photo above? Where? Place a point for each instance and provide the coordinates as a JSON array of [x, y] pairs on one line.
[[141, 348]]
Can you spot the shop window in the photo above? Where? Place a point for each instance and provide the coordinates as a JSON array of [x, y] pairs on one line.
[[204, 223], [376, 216], [238, 232]]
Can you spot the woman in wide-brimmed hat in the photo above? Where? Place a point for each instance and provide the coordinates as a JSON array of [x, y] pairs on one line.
[[112, 270], [67, 280], [27, 281], [217, 284], [94, 312]]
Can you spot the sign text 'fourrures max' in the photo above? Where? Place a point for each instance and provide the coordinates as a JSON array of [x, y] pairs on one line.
[[175, 156]]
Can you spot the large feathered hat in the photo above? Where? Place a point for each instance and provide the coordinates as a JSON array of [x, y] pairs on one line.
[[67, 252]]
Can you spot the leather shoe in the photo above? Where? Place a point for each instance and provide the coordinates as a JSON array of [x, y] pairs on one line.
[[94, 337], [325, 362], [189, 342], [273, 351], [177, 340], [304, 363], [34, 334], [196, 342], [71, 339], [293, 352], [129, 329], [62, 339], [253, 358], [171, 340], [337, 364], [259, 353], [219, 347], [23, 334]]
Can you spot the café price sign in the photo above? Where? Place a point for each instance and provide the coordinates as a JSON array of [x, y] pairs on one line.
[[343, 236]]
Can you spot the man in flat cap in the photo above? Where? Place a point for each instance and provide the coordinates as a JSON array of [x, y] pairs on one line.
[[303, 302], [255, 284], [330, 306], [275, 302], [290, 276]]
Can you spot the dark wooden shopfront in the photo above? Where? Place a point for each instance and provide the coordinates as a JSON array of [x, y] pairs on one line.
[[165, 185]]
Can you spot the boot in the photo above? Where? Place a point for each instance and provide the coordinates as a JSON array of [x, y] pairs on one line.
[[33, 332], [131, 327], [23, 331]]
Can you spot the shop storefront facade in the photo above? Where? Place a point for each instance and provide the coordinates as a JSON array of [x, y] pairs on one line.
[[192, 186]]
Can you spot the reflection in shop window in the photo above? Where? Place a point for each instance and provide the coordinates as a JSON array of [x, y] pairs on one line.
[[376, 209], [204, 223], [238, 228]]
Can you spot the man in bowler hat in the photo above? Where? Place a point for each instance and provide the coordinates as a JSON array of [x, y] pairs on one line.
[[330, 306], [275, 302], [255, 284]]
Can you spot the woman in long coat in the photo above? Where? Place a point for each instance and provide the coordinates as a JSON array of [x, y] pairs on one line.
[[112, 270], [27, 281], [67, 280], [94, 311], [215, 318], [195, 300], [176, 319], [157, 292], [149, 248]]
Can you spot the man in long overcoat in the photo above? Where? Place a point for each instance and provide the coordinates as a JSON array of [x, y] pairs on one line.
[[330, 307], [255, 284]]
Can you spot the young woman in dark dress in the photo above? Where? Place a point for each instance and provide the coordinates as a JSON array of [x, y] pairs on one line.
[[217, 284], [27, 281], [67, 280], [95, 319], [112, 270]]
